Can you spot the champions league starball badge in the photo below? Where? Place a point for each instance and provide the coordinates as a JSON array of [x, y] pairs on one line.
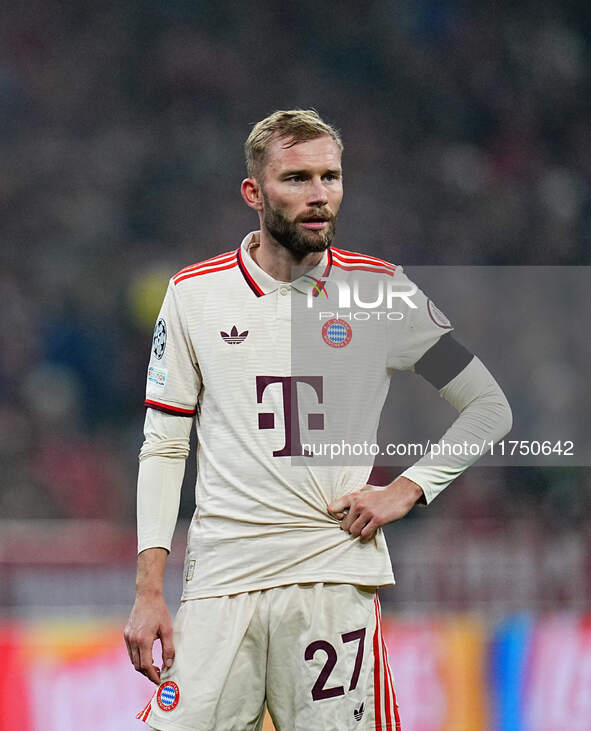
[[159, 339]]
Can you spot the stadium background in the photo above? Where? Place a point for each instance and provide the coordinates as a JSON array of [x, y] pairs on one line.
[[467, 136]]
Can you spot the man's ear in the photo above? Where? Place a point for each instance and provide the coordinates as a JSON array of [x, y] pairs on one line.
[[252, 193]]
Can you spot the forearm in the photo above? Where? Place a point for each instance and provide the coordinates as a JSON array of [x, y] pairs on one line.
[[160, 478], [151, 564], [410, 491], [485, 416]]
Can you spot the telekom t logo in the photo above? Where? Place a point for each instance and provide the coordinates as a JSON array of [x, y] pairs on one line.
[[291, 415]]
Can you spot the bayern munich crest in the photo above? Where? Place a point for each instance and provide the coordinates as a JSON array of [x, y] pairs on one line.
[[159, 339], [337, 333], [168, 695]]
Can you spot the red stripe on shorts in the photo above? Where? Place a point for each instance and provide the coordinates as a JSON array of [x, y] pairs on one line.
[[394, 701], [377, 698], [388, 681], [385, 664], [145, 712]]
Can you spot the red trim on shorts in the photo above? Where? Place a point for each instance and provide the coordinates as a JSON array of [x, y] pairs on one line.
[[385, 664], [391, 683], [396, 713], [388, 681], [387, 685], [145, 712], [377, 698], [394, 701]]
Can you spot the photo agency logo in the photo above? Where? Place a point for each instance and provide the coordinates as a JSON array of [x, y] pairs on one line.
[[375, 300]]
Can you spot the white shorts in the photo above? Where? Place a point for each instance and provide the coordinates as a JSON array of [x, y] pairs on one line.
[[313, 653]]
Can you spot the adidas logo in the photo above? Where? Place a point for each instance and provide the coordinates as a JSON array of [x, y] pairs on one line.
[[233, 338], [358, 713]]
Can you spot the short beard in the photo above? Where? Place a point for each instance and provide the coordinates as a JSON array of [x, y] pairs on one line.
[[297, 241]]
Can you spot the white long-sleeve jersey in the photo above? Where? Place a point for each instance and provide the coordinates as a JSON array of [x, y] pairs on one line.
[[268, 367]]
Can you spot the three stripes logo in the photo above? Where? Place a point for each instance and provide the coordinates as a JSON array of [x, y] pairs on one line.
[[234, 338], [358, 713], [168, 696]]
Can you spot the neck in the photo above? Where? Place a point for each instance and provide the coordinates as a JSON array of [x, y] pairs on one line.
[[279, 262]]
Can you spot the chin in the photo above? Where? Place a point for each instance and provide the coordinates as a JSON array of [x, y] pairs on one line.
[[318, 242], [310, 247]]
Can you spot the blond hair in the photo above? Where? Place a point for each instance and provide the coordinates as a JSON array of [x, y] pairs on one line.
[[295, 125]]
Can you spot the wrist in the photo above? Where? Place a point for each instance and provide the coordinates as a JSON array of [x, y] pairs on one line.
[[150, 592], [150, 574], [412, 491]]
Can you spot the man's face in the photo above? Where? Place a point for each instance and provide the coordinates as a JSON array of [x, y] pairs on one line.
[[302, 191]]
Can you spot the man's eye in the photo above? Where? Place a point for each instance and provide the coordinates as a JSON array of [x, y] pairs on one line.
[[294, 178]]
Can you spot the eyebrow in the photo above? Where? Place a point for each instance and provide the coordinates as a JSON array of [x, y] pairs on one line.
[[332, 171]]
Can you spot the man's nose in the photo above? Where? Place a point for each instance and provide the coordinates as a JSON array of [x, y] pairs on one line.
[[317, 193]]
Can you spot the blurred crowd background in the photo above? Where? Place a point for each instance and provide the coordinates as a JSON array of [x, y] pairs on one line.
[[467, 132]]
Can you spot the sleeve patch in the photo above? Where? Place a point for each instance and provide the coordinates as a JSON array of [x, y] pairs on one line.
[[437, 316], [159, 339], [157, 376]]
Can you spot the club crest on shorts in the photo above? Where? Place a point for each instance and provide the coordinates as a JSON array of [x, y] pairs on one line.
[[337, 333], [168, 695]]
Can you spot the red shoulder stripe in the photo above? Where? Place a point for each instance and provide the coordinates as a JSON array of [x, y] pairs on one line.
[[355, 268], [351, 256], [219, 259], [208, 270], [169, 409]]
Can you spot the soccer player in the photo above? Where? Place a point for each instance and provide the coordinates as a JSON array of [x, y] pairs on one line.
[[285, 550]]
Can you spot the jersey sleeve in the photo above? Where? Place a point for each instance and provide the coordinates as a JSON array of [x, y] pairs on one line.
[[173, 379], [421, 326], [485, 417]]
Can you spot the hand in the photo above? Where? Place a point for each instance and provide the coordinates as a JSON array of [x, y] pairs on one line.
[[362, 513], [149, 620]]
